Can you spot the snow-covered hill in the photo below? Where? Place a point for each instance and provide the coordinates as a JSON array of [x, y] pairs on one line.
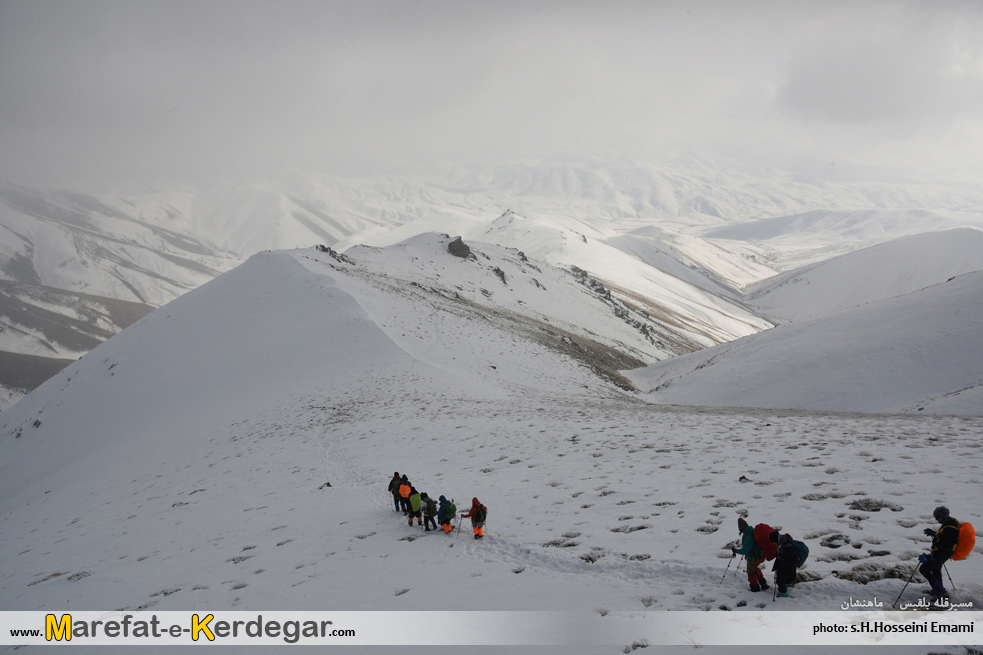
[[887, 270], [921, 352], [792, 241], [232, 450]]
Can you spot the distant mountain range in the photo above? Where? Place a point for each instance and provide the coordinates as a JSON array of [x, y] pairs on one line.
[[682, 242]]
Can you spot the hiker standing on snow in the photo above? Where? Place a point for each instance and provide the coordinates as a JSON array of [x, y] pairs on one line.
[[446, 514], [478, 513], [429, 511], [785, 562], [404, 494], [755, 556], [416, 504], [394, 489], [943, 543]]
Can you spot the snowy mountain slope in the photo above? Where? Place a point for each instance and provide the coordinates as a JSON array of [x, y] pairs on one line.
[[701, 189], [890, 269], [21, 374], [102, 247], [902, 354], [42, 329], [792, 241], [700, 317], [186, 461], [45, 321]]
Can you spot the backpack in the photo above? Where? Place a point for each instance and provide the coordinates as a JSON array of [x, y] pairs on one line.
[[451, 510], [801, 553], [481, 514], [965, 542], [762, 534], [431, 507]]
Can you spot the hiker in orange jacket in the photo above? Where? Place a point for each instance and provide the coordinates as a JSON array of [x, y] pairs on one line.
[[478, 513], [404, 494]]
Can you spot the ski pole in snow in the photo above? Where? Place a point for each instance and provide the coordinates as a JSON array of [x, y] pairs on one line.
[[905, 586], [951, 583], [727, 569], [774, 587]]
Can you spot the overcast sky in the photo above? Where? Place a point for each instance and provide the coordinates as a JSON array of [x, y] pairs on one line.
[[95, 91]]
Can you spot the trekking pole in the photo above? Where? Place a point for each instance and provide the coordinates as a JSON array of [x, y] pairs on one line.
[[905, 586], [727, 569], [774, 587], [951, 583], [459, 519], [738, 565]]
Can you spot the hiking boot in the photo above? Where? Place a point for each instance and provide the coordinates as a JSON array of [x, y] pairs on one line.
[[783, 594], [764, 586], [755, 587]]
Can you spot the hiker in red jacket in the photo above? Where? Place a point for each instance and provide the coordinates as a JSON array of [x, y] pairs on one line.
[[478, 513]]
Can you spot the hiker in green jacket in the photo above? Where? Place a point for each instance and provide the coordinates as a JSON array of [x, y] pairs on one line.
[[416, 503]]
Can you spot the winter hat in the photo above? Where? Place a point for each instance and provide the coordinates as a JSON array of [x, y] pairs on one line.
[[741, 524], [941, 513], [424, 495], [396, 474], [774, 537], [443, 500]]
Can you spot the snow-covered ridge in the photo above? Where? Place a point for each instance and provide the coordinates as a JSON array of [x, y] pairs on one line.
[[919, 352]]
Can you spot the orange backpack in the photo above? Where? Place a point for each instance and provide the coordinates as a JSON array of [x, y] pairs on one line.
[[965, 543]]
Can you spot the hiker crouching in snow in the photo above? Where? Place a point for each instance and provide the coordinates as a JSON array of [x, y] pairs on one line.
[[943, 543], [478, 513], [755, 556]]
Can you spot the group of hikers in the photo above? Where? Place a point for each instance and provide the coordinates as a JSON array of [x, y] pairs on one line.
[[762, 542], [426, 511], [953, 540]]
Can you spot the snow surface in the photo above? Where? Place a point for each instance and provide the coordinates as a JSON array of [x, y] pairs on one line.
[[183, 463]]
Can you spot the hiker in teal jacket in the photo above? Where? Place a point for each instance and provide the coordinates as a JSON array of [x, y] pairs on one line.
[[755, 556]]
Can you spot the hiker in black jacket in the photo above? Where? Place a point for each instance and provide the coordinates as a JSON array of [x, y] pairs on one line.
[[943, 543], [394, 489], [784, 566]]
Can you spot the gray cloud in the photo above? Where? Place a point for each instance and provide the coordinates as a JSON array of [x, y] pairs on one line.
[[190, 90]]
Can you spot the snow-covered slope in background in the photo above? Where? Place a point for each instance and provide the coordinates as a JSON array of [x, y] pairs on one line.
[[919, 352], [232, 450], [890, 269], [793, 241]]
